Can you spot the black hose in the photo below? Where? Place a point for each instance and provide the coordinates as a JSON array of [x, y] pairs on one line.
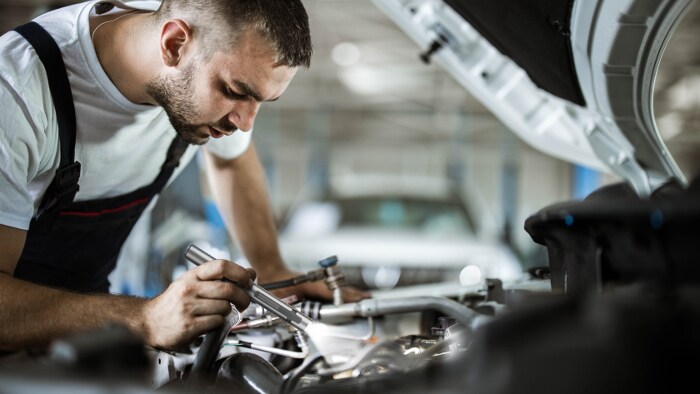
[[286, 283], [206, 356], [291, 378]]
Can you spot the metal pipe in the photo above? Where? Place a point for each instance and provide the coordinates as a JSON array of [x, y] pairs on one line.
[[265, 321], [337, 296], [377, 307]]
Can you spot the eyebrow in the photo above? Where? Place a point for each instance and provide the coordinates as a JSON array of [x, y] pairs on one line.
[[248, 91]]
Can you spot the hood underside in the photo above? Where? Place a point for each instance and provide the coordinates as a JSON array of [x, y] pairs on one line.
[[573, 79]]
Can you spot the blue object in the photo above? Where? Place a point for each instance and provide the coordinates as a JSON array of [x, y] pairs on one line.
[[328, 262], [585, 180], [569, 220]]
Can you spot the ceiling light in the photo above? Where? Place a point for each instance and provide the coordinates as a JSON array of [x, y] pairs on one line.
[[345, 54]]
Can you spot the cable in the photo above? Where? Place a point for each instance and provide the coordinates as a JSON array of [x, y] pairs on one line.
[[286, 283], [92, 37], [310, 276], [282, 352]]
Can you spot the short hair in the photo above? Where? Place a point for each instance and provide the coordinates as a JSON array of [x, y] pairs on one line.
[[283, 23]]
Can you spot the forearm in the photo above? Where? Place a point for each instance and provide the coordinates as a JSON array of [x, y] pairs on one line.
[[31, 316], [241, 194]]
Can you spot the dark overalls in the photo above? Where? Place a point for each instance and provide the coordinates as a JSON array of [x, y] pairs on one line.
[[75, 245]]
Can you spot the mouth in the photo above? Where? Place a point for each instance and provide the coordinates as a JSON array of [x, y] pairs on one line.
[[217, 133]]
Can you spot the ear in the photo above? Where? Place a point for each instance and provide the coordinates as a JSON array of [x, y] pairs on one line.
[[175, 39]]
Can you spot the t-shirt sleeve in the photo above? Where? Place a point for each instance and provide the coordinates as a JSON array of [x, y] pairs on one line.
[[20, 158], [231, 146]]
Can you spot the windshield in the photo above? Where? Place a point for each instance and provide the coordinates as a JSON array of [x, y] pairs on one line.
[[403, 213]]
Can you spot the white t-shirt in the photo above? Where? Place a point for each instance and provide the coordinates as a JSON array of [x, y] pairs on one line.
[[120, 145]]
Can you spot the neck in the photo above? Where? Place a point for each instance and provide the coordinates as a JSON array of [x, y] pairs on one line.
[[128, 52]]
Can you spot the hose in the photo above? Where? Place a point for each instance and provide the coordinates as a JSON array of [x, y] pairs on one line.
[[310, 276], [291, 378], [286, 283]]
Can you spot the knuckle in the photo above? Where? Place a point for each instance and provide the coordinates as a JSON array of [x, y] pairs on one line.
[[220, 289], [230, 290], [183, 288], [219, 268], [183, 309], [187, 289], [175, 286]]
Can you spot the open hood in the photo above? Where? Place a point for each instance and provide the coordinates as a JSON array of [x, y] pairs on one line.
[[573, 78]]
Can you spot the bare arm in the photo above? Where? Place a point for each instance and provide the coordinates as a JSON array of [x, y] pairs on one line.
[[31, 316], [241, 194]]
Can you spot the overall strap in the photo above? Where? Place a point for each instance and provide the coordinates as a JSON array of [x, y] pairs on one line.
[[175, 151], [64, 186]]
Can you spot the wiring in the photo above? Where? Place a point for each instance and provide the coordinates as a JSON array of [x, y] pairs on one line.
[[282, 352]]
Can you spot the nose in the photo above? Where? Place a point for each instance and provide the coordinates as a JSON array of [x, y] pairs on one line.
[[244, 113]]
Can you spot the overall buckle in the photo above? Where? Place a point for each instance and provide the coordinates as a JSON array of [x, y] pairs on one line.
[[62, 190]]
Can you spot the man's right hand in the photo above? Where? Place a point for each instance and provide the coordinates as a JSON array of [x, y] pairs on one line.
[[196, 303]]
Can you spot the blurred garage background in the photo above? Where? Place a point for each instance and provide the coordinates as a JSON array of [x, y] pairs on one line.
[[409, 156]]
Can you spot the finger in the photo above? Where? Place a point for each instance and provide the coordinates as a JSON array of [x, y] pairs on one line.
[[211, 307], [252, 273], [217, 289], [202, 324], [351, 294], [241, 304], [224, 269], [223, 291]]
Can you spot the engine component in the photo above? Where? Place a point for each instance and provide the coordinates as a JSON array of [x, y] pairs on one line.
[[335, 279], [387, 306], [248, 373], [258, 295]]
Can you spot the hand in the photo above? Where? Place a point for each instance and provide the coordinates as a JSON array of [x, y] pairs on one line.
[[196, 303], [317, 290]]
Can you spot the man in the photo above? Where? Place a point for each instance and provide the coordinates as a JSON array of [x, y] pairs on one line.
[[134, 72]]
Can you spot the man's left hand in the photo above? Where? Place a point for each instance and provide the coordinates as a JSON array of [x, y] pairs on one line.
[[317, 290]]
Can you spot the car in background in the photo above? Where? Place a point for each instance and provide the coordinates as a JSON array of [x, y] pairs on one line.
[[392, 231]]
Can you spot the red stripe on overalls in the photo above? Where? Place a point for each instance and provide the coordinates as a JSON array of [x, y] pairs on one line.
[[106, 211]]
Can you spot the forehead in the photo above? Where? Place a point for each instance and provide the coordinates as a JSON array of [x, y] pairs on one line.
[[251, 59]]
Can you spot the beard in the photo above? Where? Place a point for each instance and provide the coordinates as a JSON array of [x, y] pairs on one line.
[[176, 95]]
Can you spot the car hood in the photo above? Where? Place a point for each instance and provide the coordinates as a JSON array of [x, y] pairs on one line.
[[407, 249], [573, 78]]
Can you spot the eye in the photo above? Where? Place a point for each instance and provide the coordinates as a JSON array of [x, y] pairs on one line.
[[230, 93]]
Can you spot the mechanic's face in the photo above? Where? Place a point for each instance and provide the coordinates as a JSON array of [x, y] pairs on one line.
[[224, 95]]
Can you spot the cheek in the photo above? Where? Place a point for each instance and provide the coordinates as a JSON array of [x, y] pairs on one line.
[[210, 102], [203, 101], [211, 105]]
